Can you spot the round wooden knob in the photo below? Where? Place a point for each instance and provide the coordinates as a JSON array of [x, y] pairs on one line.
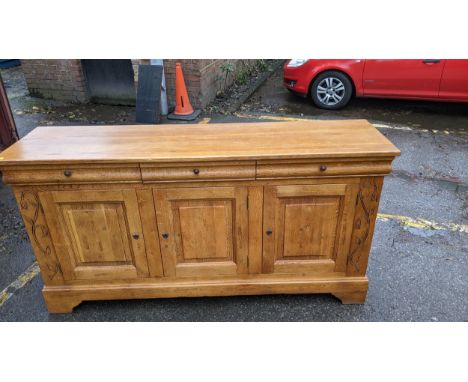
[[196, 171], [323, 167], [67, 173]]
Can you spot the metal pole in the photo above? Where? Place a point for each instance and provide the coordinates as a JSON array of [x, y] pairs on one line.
[[164, 107]]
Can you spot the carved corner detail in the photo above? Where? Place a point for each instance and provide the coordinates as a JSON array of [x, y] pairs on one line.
[[34, 219], [367, 203]]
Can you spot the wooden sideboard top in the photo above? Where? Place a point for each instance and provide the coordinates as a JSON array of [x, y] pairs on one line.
[[199, 142]]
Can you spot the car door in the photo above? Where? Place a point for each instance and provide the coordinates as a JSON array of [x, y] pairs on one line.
[[454, 83], [402, 78]]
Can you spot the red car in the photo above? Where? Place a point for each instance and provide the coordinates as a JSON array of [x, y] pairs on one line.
[[332, 83]]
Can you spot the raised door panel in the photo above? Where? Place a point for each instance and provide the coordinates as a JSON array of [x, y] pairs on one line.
[[307, 228], [206, 229], [97, 234], [203, 232]]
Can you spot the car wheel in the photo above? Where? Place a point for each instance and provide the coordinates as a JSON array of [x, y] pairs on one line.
[[331, 90]]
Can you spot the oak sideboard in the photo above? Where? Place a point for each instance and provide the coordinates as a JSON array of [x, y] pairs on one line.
[[123, 212]]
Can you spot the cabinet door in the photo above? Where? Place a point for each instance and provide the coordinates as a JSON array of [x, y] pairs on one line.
[[97, 234], [203, 231], [307, 228]]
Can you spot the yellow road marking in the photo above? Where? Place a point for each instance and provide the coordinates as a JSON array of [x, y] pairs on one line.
[[273, 117], [423, 223], [406, 128], [406, 221], [204, 121], [270, 117], [20, 282]]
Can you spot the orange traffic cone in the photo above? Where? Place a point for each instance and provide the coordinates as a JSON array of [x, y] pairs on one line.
[[183, 110]]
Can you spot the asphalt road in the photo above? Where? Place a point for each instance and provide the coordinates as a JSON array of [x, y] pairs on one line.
[[416, 272]]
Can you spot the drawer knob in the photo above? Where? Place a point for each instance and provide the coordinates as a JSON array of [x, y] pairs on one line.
[[323, 167], [196, 171], [67, 173], [269, 232], [136, 236], [165, 235]]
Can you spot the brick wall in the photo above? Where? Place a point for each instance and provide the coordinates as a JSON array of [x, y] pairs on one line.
[[201, 78], [65, 80], [57, 79], [213, 78], [191, 70]]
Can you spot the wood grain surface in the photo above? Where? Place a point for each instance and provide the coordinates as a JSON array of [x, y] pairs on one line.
[[163, 143], [119, 212]]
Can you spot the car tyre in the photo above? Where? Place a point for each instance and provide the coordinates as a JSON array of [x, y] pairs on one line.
[[331, 90]]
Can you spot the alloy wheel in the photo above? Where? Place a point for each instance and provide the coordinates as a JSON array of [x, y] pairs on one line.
[[330, 91]]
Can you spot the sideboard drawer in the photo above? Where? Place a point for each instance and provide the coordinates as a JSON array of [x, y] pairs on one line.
[[198, 172], [293, 169], [73, 174]]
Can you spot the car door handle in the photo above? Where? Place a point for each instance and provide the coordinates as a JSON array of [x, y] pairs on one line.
[[431, 61]]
